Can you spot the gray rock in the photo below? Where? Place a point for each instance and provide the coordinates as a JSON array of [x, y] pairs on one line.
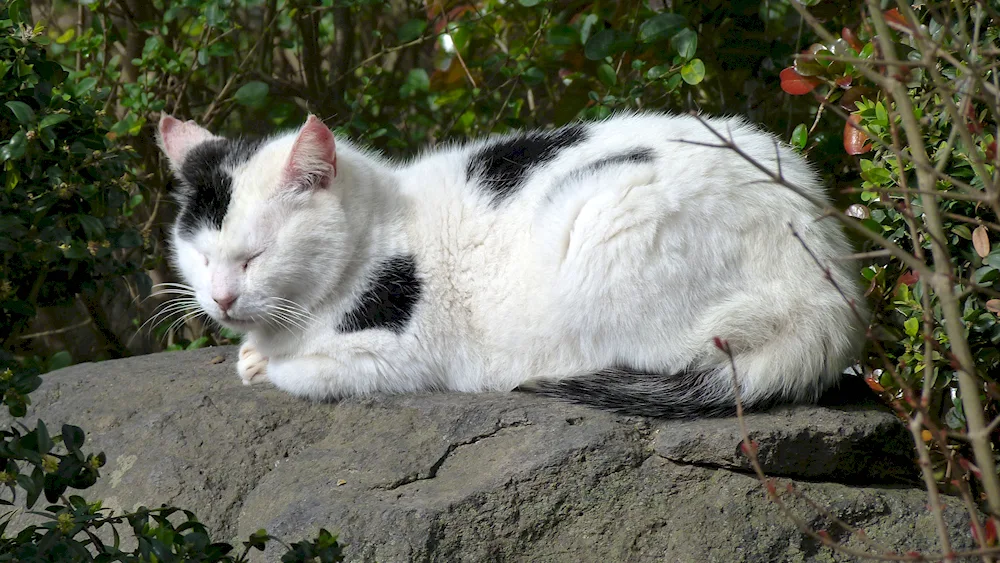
[[846, 443], [491, 477]]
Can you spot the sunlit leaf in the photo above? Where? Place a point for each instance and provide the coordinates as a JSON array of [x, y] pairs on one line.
[[795, 84], [693, 72], [66, 36], [800, 135], [855, 140], [981, 241]]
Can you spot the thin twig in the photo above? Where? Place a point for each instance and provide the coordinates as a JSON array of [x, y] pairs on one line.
[[55, 331]]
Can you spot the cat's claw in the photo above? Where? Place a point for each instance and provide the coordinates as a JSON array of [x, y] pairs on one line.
[[252, 366]]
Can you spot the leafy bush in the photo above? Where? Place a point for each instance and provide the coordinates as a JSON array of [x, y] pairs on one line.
[[34, 463], [67, 192], [402, 75], [954, 205]]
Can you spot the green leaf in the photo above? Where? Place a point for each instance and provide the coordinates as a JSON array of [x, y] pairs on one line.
[[15, 148], [252, 94], [658, 71], [878, 176], [85, 86], [685, 42], [53, 119], [912, 326], [418, 81], [673, 82], [606, 74], [561, 35], [92, 226], [800, 136], [605, 43], [200, 343], [661, 26], [66, 36], [229, 333], [18, 12], [985, 275], [529, 3], [693, 72], [152, 46], [533, 76], [22, 112], [586, 27], [411, 30], [880, 115], [962, 231], [73, 437], [214, 14], [42, 435], [129, 239], [60, 360], [993, 259]]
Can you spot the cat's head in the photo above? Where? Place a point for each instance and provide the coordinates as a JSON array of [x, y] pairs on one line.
[[260, 234]]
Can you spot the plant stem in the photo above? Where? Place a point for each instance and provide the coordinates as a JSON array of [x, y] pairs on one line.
[[968, 385]]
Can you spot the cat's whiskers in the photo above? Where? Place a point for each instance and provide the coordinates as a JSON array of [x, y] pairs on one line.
[[299, 321], [183, 319], [168, 308], [286, 317], [298, 307], [294, 313], [169, 288]]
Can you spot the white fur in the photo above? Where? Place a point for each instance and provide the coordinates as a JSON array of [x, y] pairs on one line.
[[642, 264]]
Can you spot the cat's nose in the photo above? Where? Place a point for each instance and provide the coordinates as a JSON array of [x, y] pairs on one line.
[[225, 302]]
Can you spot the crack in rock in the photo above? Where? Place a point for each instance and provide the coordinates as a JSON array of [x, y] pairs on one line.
[[433, 470]]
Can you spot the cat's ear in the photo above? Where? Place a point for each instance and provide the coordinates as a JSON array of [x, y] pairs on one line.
[[176, 138], [313, 160]]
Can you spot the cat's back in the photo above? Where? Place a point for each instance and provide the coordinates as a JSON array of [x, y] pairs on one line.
[[513, 172], [567, 248]]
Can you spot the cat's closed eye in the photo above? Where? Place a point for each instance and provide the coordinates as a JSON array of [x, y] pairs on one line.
[[247, 261]]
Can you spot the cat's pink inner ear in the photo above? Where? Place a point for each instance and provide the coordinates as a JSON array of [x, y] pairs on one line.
[[177, 137], [313, 156]]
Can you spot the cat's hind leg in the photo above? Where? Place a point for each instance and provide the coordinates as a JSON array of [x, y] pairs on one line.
[[324, 377]]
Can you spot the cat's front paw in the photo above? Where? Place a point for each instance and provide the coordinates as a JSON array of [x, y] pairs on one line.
[[252, 366]]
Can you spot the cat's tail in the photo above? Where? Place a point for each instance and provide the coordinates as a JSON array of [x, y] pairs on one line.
[[687, 394]]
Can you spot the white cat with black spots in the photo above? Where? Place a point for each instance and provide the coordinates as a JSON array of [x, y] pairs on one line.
[[595, 262]]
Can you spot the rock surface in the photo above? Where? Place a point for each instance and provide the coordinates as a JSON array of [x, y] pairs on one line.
[[492, 477]]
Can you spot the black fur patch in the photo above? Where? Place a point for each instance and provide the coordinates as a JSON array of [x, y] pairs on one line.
[[501, 167], [204, 187], [389, 301], [632, 156], [688, 394]]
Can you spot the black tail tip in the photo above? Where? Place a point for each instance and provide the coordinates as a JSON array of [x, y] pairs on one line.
[[684, 395]]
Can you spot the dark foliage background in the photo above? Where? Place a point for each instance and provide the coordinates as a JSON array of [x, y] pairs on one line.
[[84, 196]]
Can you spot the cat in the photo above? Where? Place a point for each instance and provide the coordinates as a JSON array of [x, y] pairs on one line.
[[600, 262]]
